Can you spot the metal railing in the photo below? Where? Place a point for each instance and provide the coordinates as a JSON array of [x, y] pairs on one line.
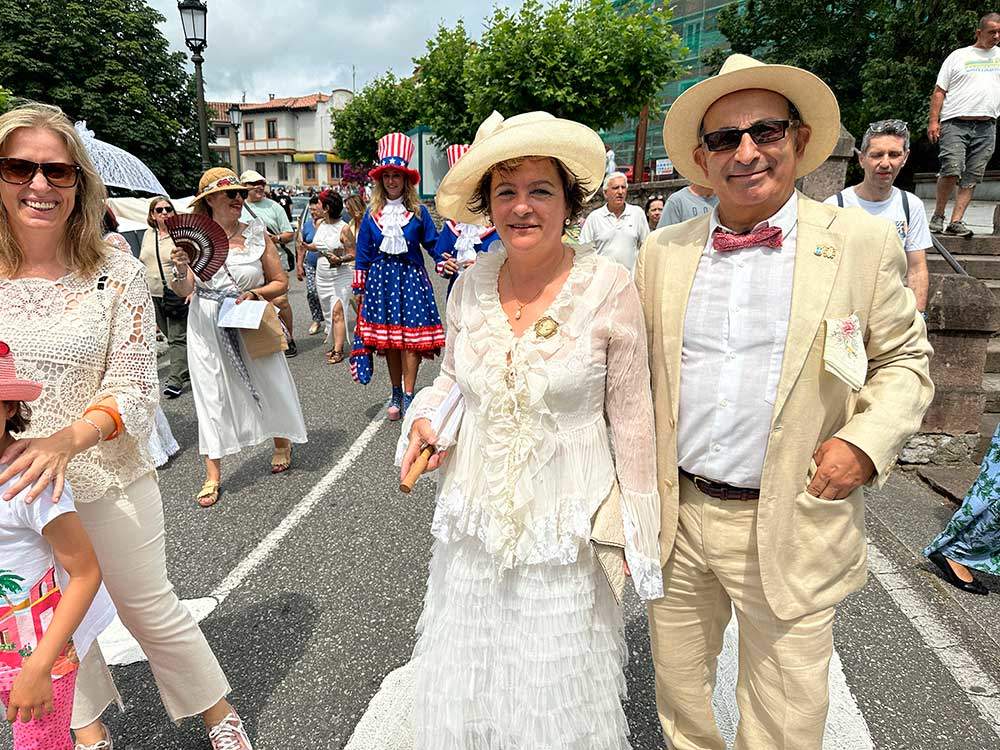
[[955, 265]]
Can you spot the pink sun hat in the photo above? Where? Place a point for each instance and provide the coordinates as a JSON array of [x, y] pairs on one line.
[[11, 388]]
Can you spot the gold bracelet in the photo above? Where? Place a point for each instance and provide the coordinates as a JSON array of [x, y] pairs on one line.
[[97, 427]]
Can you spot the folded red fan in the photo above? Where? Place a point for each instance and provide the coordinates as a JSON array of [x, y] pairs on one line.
[[202, 240]]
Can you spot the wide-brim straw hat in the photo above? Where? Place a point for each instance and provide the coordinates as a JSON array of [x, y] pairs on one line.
[[578, 147], [13, 388], [217, 180], [814, 100]]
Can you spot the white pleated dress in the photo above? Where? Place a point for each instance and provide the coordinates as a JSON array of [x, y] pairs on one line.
[[521, 642], [228, 417]]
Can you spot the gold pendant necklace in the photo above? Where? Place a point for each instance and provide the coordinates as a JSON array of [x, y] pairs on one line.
[[522, 305]]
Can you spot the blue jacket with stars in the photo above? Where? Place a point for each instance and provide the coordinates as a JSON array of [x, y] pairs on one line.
[[446, 242], [419, 231]]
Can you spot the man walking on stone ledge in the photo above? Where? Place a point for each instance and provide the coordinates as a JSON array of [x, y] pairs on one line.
[[963, 121], [788, 365]]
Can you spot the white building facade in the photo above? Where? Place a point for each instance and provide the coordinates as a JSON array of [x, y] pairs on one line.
[[288, 140]]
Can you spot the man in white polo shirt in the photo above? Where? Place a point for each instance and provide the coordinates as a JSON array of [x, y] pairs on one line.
[[617, 228], [963, 119], [885, 148]]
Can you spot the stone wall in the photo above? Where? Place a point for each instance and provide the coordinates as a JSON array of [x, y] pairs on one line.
[[962, 315]]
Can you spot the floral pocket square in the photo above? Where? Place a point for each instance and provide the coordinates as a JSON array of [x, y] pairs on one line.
[[844, 353]]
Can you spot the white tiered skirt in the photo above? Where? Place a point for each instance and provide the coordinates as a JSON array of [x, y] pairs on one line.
[[530, 660]]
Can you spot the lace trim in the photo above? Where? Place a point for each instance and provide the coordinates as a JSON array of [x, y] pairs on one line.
[[254, 244], [467, 237], [391, 220], [516, 428]]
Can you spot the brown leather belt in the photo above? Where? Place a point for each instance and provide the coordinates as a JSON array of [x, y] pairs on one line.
[[720, 490]]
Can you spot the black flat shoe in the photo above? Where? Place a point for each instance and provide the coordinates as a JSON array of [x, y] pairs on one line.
[[972, 587]]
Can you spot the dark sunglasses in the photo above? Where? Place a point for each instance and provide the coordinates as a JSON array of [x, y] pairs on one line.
[[163, 210], [21, 172], [233, 193], [765, 131]]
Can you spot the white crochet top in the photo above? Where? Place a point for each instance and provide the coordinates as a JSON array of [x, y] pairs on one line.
[[533, 459], [84, 339]]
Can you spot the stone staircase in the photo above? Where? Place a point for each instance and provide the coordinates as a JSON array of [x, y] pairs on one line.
[[980, 256]]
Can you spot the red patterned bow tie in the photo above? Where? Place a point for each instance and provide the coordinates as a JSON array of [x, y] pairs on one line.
[[724, 241]]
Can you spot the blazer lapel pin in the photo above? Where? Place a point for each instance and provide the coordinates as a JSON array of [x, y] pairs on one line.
[[825, 251]]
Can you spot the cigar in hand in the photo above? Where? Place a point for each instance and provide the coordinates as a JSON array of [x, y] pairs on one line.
[[419, 467]]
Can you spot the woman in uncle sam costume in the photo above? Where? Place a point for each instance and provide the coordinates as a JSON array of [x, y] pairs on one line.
[[459, 241], [398, 316]]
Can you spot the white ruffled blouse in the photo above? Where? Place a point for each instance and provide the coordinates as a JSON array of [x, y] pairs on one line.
[[533, 460]]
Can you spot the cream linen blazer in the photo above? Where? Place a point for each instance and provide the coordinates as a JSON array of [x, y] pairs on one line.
[[812, 551]]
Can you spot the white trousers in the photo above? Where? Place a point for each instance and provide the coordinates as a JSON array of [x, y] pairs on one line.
[[126, 530]]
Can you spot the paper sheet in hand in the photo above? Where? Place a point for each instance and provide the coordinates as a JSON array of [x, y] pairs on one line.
[[247, 314]]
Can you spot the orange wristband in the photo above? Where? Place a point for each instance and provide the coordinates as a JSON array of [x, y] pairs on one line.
[[115, 416]]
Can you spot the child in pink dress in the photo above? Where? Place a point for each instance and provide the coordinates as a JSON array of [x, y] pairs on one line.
[[49, 578]]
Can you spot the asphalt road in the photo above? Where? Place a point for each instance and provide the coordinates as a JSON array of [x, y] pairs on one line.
[[317, 577]]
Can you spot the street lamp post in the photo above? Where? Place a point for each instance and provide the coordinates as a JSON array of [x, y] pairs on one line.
[[193, 19], [235, 120]]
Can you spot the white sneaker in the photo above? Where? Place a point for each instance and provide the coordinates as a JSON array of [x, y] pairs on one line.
[[229, 734]]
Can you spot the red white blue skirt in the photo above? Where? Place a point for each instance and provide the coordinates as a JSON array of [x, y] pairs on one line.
[[398, 310]]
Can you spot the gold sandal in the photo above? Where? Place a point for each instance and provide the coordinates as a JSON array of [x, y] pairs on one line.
[[209, 494], [281, 461]]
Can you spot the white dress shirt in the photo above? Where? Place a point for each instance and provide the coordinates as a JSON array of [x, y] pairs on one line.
[[617, 237], [734, 343]]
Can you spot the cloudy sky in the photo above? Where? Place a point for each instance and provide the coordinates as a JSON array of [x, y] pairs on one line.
[[294, 47]]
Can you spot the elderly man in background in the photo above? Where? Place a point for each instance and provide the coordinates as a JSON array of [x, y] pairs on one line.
[[279, 229], [885, 148], [788, 367], [963, 120], [687, 203], [617, 228]]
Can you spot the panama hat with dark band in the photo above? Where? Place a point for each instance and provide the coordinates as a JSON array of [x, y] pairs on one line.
[[578, 147], [814, 100]]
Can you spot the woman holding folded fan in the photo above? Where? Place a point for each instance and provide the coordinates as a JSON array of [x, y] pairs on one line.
[[240, 400], [80, 317]]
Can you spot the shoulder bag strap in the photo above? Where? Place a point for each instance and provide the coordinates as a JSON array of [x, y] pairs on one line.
[[840, 199], [159, 264]]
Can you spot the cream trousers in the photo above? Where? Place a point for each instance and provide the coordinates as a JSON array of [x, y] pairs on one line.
[[782, 689], [126, 530]]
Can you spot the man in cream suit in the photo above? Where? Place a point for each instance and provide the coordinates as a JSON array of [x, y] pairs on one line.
[[789, 365]]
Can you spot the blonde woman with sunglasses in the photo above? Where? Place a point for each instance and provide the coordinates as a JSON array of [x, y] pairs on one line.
[[79, 314]]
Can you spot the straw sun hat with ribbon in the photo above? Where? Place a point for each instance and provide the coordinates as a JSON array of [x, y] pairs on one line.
[[530, 134], [216, 180], [813, 99], [13, 388]]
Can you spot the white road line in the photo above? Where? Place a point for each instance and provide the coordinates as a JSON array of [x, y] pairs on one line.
[[979, 688], [117, 643]]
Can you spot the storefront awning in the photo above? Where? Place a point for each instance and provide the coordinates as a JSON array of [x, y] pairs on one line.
[[320, 157]]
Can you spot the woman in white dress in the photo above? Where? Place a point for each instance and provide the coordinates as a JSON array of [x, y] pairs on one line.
[[240, 400], [521, 641], [334, 275]]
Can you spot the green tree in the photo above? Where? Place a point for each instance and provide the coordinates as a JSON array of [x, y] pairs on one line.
[[441, 89], [385, 105], [880, 57], [595, 62], [105, 61], [4, 100]]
